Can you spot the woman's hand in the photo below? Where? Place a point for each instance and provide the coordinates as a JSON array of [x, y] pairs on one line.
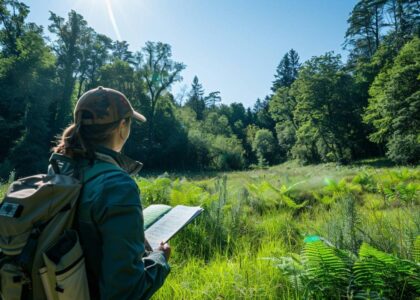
[[166, 250]]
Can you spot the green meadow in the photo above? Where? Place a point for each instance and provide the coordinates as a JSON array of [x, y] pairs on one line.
[[295, 232]]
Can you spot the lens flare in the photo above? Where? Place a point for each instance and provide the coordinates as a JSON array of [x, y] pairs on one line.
[[112, 19]]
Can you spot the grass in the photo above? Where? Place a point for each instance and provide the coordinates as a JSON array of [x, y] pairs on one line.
[[232, 256], [249, 242]]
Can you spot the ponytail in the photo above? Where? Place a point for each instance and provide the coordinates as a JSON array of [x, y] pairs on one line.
[[81, 140]]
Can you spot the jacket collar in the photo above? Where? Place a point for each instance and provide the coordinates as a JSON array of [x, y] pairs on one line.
[[131, 166]]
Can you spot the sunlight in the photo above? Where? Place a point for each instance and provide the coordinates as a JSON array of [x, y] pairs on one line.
[[112, 19]]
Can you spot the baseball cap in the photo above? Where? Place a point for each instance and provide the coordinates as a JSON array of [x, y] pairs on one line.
[[105, 106]]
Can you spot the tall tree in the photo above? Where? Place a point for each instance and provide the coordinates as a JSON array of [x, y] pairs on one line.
[[36, 84], [196, 99], [12, 29], [281, 107], [68, 47], [394, 106], [120, 51], [26, 81], [159, 72], [212, 99], [12, 21], [404, 19], [286, 71], [94, 55], [366, 22], [326, 113]]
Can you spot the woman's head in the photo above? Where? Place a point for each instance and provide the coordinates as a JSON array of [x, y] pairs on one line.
[[102, 117]]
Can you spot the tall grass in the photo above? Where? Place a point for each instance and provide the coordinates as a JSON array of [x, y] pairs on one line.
[[256, 221], [291, 232]]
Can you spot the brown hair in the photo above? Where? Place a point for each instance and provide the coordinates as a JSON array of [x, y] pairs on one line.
[[81, 140]]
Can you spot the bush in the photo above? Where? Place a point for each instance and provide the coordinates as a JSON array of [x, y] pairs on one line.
[[404, 149], [227, 153], [264, 146]]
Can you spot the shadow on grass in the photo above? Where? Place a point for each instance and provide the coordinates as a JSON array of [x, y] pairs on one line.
[[375, 163]]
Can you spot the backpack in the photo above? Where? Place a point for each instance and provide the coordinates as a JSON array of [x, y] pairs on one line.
[[40, 254]]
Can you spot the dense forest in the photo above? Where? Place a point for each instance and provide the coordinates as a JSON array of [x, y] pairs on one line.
[[320, 110]]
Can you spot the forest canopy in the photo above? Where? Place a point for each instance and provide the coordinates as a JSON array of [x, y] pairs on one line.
[[319, 110]]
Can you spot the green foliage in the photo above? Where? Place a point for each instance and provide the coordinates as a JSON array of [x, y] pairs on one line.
[[385, 274], [264, 146], [196, 99], [265, 197], [396, 186], [394, 105], [156, 191], [226, 153], [326, 111], [286, 71], [325, 272], [255, 218], [333, 191], [416, 249]]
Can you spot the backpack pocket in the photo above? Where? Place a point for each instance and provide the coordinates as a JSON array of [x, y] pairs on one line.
[[64, 275], [13, 282]]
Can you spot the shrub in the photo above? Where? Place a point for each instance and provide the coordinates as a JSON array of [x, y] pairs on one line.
[[264, 146], [404, 149]]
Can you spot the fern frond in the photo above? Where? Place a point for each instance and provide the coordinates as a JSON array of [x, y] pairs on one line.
[[416, 249]]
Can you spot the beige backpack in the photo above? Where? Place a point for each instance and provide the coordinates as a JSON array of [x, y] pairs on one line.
[[40, 254]]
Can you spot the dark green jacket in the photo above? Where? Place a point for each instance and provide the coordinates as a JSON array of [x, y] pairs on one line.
[[110, 226]]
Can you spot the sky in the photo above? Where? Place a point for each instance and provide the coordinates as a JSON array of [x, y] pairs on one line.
[[232, 46]]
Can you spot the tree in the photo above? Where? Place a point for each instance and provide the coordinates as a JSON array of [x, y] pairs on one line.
[[394, 106], [94, 55], [286, 71], [196, 100], [281, 108], [404, 19], [326, 113], [12, 29], [366, 22], [261, 114], [159, 72], [12, 21], [212, 99], [118, 75], [37, 73], [26, 81], [120, 52], [264, 146], [68, 47]]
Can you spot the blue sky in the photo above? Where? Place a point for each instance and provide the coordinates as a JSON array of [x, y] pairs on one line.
[[233, 46]]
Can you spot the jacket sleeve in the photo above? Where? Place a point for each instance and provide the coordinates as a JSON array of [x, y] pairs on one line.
[[125, 272]]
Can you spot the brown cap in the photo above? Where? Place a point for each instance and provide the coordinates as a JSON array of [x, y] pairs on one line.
[[105, 106]]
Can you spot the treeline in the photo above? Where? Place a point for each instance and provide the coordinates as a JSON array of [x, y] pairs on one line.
[[320, 110]]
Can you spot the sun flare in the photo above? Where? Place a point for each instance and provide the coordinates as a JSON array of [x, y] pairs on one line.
[[112, 19]]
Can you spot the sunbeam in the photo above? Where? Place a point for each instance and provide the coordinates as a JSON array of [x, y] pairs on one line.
[[112, 19]]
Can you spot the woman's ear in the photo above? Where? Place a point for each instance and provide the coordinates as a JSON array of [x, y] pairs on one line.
[[124, 129]]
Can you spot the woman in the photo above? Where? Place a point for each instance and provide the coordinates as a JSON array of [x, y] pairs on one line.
[[110, 220]]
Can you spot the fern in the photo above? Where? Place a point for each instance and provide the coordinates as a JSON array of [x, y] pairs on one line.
[[327, 273], [388, 275], [283, 198], [416, 249]]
